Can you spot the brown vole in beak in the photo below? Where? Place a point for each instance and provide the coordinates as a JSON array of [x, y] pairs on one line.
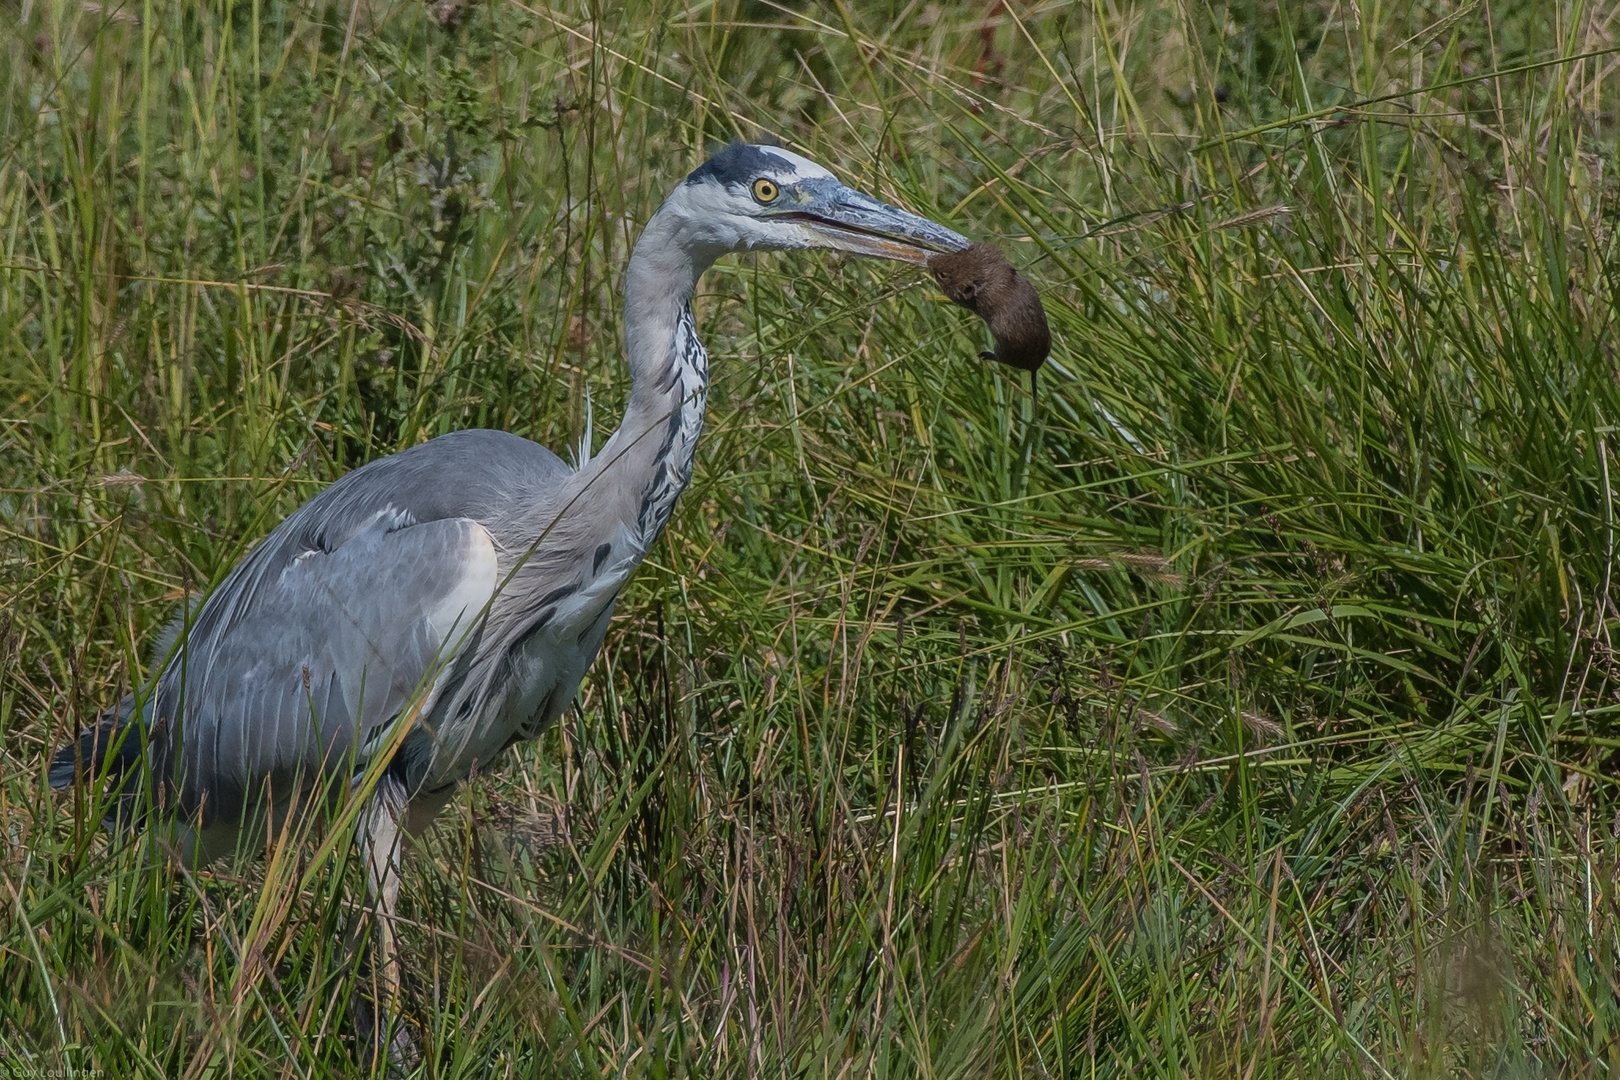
[[983, 281]]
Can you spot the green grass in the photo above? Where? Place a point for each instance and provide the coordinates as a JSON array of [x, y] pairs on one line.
[[1247, 710]]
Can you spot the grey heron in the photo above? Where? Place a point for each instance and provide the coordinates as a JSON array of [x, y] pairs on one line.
[[443, 603]]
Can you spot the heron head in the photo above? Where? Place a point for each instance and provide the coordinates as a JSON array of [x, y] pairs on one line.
[[764, 198]]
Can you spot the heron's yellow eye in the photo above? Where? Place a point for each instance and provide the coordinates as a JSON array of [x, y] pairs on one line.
[[765, 191]]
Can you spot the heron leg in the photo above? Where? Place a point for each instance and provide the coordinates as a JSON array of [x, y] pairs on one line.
[[380, 834]]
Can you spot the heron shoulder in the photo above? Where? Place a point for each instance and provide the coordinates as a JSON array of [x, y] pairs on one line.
[[477, 474], [460, 606]]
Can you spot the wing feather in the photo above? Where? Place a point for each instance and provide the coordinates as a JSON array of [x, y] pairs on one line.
[[313, 663], [320, 635]]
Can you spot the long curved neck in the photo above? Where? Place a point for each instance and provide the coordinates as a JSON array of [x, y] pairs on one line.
[[647, 462]]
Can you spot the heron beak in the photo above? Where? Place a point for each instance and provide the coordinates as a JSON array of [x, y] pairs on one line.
[[846, 220]]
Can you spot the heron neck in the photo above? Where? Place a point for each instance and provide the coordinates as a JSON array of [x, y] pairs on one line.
[[648, 461]]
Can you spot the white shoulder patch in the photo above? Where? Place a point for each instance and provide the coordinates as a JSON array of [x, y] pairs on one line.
[[461, 607]]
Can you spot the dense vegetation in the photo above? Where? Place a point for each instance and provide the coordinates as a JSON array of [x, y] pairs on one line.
[[1247, 707]]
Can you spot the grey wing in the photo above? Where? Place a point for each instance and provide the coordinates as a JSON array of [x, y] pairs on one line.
[[290, 678], [231, 708]]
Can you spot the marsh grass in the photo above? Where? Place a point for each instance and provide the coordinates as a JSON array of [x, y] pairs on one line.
[[1247, 709]]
